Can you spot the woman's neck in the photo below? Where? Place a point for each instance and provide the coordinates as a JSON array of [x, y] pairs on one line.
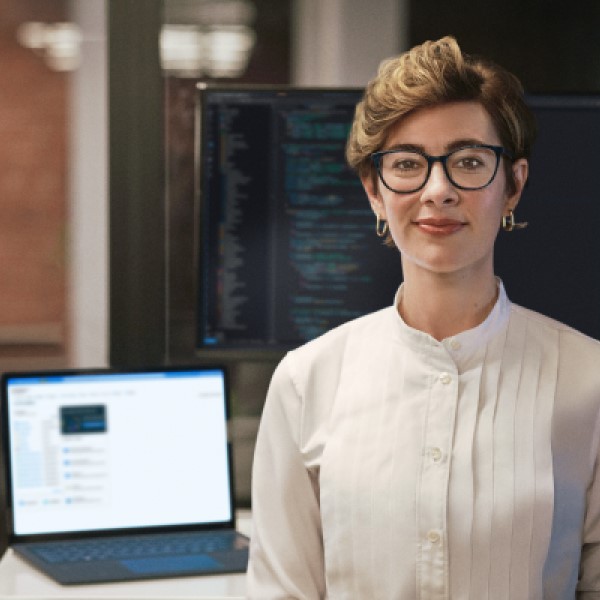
[[443, 306]]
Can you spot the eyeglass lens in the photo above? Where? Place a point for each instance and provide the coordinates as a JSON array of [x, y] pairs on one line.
[[467, 168]]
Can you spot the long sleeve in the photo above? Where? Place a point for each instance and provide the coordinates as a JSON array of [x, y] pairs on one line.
[[286, 556], [589, 583], [589, 578], [573, 561]]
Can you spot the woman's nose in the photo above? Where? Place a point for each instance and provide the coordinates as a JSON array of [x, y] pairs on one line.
[[439, 188]]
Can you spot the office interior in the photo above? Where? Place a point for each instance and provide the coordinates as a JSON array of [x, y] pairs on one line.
[[97, 168]]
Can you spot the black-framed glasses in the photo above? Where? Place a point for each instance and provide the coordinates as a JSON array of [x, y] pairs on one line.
[[471, 167]]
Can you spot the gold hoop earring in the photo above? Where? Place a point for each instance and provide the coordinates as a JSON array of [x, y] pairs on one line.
[[509, 223], [381, 227]]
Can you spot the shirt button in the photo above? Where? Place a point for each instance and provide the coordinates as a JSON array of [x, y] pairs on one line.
[[433, 537], [445, 378], [454, 344], [436, 454]]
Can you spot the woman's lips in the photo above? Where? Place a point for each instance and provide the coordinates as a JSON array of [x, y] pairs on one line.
[[439, 226]]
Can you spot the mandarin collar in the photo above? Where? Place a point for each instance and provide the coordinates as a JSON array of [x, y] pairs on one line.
[[464, 345]]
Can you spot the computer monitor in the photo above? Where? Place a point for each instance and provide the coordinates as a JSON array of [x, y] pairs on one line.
[[287, 245], [552, 265]]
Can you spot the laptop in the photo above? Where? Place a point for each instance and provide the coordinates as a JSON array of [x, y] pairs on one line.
[[115, 475]]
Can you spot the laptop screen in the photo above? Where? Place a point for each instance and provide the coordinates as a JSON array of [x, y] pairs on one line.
[[111, 450]]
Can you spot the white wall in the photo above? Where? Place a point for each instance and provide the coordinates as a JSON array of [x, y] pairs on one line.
[[341, 42], [88, 218]]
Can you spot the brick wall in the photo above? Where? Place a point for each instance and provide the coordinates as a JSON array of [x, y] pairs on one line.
[[33, 192]]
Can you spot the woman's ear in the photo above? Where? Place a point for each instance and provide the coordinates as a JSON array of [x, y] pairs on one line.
[[520, 169], [371, 188]]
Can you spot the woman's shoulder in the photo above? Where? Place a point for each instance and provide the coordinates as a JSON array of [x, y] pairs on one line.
[[549, 326], [325, 354]]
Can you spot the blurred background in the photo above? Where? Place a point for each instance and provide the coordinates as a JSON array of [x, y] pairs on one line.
[[56, 61], [97, 134]]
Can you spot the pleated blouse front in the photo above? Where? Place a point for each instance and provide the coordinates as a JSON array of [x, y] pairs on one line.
[[432, 470]]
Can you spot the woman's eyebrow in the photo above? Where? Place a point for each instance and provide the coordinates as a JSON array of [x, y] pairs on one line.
[[454, 145], [407, 147]]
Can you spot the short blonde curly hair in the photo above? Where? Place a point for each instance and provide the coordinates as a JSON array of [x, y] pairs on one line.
[[437, 72]]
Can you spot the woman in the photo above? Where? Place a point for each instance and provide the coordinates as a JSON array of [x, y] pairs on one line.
[[447, 446]]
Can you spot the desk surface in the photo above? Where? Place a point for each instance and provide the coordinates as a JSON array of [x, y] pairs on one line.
[[19, 580]]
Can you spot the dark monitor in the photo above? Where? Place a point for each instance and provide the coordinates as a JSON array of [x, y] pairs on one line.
[[287, 244], [553, 266]]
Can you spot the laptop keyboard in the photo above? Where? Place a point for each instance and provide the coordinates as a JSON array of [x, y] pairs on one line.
[[142, 546]]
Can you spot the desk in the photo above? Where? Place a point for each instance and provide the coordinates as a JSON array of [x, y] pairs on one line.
[[20, 581]]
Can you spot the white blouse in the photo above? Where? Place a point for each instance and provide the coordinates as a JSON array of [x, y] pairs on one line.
[[390, 465]]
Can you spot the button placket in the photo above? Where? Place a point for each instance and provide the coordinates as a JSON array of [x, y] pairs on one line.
[[454, 344], [445, 377], [434, 537], [433, 499], [436, 454]]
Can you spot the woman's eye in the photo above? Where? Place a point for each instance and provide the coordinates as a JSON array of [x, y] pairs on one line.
[[469, 163], [405, 165]]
